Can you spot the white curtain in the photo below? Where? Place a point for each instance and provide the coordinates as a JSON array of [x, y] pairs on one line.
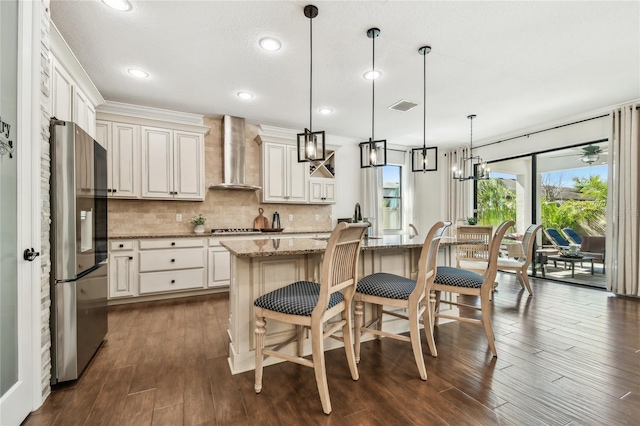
[[459, 203], [372, 198], [623, 202]]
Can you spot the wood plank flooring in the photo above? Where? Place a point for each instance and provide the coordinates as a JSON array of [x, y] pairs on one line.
[[567, 356]]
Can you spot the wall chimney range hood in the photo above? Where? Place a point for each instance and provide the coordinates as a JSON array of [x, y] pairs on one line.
[[234, 156]]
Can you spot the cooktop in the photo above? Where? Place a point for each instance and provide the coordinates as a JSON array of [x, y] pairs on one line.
[[235, 231]]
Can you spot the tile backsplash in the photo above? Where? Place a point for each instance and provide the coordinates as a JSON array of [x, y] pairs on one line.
[[222, 208]]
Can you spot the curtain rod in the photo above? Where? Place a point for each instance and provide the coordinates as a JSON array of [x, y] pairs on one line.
[[545, 130]]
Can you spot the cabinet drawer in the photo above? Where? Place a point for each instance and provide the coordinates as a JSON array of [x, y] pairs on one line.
[[157, 282], [165, 260], [121, 245], [171, 243]]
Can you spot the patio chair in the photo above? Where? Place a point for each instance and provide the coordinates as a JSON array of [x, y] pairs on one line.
[[556, 238], [572, 236]]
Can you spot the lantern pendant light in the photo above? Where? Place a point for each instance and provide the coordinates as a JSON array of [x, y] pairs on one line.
[[424, 159], [311, 145], [373, 153], [471, 168]]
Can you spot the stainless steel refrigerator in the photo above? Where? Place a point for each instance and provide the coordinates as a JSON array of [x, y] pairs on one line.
[[78, 249]]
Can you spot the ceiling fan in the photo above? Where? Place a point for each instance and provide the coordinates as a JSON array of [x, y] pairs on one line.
[[589, 154]]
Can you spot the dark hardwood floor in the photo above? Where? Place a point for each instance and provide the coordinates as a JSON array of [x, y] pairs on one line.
[[567, 356]]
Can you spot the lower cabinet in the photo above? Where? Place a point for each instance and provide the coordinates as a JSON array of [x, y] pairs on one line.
[[219, 267], [123, 273]]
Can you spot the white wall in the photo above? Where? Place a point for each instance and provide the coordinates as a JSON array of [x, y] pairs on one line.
[[347, 176]]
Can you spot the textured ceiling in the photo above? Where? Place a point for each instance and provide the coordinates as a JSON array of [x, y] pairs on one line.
[[516, 65]]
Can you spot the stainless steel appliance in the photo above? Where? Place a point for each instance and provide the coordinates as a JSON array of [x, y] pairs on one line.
[[78, 249], [235, 231]]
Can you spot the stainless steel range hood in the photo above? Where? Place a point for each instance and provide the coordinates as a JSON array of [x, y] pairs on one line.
[[234, 156]]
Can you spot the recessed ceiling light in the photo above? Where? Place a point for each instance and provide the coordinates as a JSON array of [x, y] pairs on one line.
[[325, 111], [245, 95], [271, 44], [372, 75], [121, 5], [138, 73]]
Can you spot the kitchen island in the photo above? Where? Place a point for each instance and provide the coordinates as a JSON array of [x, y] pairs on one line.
[[259, 266]]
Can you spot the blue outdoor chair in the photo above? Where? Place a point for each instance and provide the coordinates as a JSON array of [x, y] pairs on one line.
[[572, 236], [556, 238]]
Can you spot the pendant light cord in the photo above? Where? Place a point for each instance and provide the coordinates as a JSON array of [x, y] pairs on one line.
[[471, 138], [310, 75], [373, 88], [424, 119]]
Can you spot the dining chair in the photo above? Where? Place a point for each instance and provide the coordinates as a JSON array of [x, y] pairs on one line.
[[472, 256], [309, 305], [384, 289], [465, 282], [520, 264]]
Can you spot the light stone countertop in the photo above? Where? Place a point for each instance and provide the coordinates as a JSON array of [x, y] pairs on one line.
[[296, 246], [209, 234]]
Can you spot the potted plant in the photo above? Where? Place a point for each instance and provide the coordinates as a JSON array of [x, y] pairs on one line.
[[472, 220], [198, 222]]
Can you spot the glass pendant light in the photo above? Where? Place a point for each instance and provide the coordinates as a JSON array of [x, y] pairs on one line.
[[311, 145], [424, 159], [373, 153]]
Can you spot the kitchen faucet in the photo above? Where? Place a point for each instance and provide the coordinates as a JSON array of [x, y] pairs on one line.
[[357, 216]]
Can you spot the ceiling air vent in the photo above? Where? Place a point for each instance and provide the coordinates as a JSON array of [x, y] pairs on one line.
[[403, 106]]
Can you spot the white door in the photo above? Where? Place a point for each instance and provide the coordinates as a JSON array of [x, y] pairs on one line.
[[274, 173], [61, 93], [16, 213], [123, 161]]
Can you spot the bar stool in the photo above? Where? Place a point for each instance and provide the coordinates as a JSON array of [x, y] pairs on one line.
[[310, 305]]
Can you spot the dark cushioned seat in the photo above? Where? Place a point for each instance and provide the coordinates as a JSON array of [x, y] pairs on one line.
[[458, 277], [386, 285], [299, 298]]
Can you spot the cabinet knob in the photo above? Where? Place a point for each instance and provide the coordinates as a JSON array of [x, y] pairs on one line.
[[130, 257], [114, 190], [121, 245], [173, 243], [173, 260], [173, 281], [108, 189]]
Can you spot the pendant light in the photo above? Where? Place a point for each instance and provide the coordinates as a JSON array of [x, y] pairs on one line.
[[373, 153], [424, 159], [471, 168], [311, 146]]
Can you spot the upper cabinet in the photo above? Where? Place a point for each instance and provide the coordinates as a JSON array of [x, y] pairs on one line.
[[173, 164], [284, 179], [74, 97], [122, 141], [149, 158]]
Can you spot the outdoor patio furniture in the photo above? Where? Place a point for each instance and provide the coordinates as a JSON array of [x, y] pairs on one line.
[[572, 236]]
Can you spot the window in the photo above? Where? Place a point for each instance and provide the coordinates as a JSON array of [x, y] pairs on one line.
[[392, 197]]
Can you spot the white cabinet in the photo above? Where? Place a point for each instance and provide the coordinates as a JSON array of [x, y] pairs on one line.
[[61, 92], [169, 265], [69, 102], [322, 190], [123, 273], [284, 180], [122, 141], [219, 267], [173, 164]]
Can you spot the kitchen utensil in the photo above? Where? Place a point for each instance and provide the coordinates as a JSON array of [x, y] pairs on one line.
[[260, 222], [275, 223]]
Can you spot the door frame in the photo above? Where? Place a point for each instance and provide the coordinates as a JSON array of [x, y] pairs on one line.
[[29, 387]]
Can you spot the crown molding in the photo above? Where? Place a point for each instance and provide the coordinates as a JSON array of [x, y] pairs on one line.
[[68, 59], [140, 111]]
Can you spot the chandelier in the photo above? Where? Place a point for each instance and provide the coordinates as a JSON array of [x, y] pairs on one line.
[[471, 168]]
